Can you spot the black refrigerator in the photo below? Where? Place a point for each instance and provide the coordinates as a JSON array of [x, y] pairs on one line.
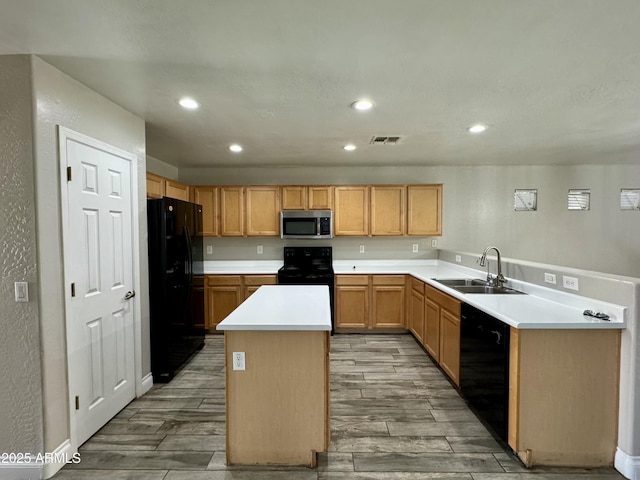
[[176, 284]]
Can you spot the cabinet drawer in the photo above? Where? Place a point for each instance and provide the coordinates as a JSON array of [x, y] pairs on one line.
[[352, 279], [445, 301], [223, 280], [417, 285], [260, 280], [388, 280]]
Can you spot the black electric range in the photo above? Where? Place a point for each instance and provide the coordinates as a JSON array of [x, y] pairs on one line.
[[308, 266]]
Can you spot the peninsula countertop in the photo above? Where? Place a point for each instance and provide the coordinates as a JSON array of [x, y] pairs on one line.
[[282, 307]]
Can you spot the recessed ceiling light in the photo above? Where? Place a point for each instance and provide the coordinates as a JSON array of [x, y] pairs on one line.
[[235, 148], [349, 147], [362, 104], [189, 103], [479, 128]]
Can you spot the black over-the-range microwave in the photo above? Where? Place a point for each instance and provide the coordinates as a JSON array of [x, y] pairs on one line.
[[315, 224]]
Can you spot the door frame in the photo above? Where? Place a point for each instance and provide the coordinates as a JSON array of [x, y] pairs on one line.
[[65, 134]]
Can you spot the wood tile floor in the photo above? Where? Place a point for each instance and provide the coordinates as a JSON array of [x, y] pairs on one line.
[[393, 416]]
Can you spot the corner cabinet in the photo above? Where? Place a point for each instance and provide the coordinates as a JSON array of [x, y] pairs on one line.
[[424, 210]]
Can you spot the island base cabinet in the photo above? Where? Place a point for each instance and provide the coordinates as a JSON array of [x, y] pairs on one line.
[[278, 407], [563, 396]]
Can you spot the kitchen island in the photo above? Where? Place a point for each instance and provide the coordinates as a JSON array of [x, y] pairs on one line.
[[277, 376]]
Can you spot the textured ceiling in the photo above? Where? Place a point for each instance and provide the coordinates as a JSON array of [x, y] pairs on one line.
[[557, 82]]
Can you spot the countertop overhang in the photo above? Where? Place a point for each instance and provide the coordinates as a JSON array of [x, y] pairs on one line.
[[282, 307], [541, 308]]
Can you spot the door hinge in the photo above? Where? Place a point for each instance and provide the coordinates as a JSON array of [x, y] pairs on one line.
[[73, 289], [68, 174], [77, 402]]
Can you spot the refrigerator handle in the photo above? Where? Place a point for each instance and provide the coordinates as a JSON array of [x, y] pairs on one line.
[[187, 236]]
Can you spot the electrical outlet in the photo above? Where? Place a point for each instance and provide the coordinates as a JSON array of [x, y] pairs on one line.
[[434, 243], [570, 282], [238, 360], [209, 250], [259, 249], [415, 248], [361, 248], [459, 258], [550, 278]]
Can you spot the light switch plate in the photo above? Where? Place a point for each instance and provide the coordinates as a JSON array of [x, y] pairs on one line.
[[209, 250], [550, 278], [22, 291], [259, 250], [434, 243], [361, 248]]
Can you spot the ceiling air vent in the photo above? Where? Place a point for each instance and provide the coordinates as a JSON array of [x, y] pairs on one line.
[[378, 140]]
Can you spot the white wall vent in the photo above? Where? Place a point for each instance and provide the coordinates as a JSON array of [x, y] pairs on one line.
[[385, 140]]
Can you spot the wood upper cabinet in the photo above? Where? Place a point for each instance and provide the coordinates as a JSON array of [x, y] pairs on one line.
[[232, 211], [388, 209], [443, 316], [389, 300], [177, 190], [298, 197], [424, 210], [263, 211], [155, 185], [351, 213], [223, 295], [208, 197], [352, 301], [320, 198]]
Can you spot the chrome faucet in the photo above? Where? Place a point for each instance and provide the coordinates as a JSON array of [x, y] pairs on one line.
[[499, 279]]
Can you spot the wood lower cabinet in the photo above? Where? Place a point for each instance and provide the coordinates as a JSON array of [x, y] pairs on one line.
[[388, 210], [416, 309], [254, 282], [442, 331], [263, 211], [366, 302], [223, 295], [351, 213], [352, 301], [424, 210], [563, 396]]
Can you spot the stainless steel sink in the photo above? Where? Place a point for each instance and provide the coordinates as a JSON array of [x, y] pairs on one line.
[[477, 286]]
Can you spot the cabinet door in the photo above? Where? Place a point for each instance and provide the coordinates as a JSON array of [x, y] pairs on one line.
[[208, 198], [155, 186], [388, 301], [352, 301], [424, 210], [388, 210], [232, 211], [320, 198], [416, 315], [294, 198], [176, 190], [254, 282], [351, 215], [431, 339], [263, 211], [450, 344]]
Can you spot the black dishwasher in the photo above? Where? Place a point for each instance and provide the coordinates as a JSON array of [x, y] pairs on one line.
[[484, 368]]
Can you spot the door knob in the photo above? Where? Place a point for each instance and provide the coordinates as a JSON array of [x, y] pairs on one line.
[[129, 295]]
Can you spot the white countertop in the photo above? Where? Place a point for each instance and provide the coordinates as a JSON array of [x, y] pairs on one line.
[[282, 307], [541, 308]]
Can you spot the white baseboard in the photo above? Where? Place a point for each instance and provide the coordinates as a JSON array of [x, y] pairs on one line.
[[146, 384], [627, 465], [38, 466]]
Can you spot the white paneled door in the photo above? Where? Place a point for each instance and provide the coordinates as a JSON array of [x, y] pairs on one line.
[[98, 245]]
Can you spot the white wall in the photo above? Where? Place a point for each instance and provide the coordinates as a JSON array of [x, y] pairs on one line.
[[478, 207], [60, 100], [21, 420]]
